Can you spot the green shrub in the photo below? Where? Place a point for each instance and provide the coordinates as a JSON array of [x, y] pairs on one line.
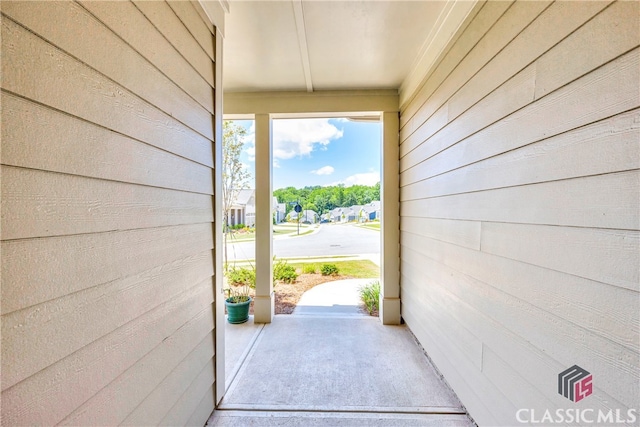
[[309, 269], [285, 272], [329, 269], [370, 295], [242, 276]]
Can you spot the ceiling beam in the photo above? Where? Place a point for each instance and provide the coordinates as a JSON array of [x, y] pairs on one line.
[[319, 103], [298, 13]]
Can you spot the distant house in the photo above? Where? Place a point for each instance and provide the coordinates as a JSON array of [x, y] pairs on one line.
[[279, 211], [243, 209], [359, 213], [353, 214], [337, 215], [371, 211], [308, 216]]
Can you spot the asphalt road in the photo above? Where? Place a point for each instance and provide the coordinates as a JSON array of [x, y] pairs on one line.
[[329, 240]]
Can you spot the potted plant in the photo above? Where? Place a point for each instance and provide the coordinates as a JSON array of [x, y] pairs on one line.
[[237, 303]]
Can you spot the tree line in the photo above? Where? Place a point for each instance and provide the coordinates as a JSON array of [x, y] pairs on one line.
[[323, 199]]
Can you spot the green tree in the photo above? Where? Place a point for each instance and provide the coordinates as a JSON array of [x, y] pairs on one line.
[[350, 199], [235, 176], [327, 198]]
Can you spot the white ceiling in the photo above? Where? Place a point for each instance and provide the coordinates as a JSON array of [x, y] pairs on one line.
[[307, 45]]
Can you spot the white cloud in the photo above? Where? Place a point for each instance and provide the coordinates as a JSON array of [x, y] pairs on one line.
[[295, 137], [251, 152], [368, 178], [300, 137], [325, 170]]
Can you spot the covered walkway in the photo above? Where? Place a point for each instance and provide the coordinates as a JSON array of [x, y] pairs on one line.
[[332, 366]]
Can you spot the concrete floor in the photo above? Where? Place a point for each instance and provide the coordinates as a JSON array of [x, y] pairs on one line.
[[238, 341], [339, 298], [331, 369]]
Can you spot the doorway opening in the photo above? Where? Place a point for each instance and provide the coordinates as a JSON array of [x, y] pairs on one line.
[[326, 217], [326, 181]]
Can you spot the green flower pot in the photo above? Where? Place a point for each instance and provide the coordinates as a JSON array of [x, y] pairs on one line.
[[237, 312]]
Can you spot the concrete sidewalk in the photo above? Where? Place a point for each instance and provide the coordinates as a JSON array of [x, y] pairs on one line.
[[338, 298], [330, 365]]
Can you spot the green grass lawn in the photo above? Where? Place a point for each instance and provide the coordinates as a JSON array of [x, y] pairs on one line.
[[372, 225], [285, 229], [278, 230], [239, 237], [358, 269]]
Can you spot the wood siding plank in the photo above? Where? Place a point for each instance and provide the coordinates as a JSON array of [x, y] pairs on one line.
[[617, 366], [187, 404], [205, 18], [191, 19], [58, 266], [514, 20], [51, 20], [156, 405], [81, 148], [529, 362], [45, 398], [75, 88], [488, 15], [472, 385], [550, 184], [463, 233], [513, 95], [556, 23], [608, 311], [605, 146], [610, 34], [609, 90], [39, 204], [79, 319], [203, 410], [602, 201], [107, 210], [465, 341], [113, 403], [166, 22], [568, 249], [125, 20]]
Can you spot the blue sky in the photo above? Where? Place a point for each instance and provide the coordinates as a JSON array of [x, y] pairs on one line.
[[319, 152]]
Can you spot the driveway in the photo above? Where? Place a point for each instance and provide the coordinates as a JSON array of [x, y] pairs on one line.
[[329, 240]]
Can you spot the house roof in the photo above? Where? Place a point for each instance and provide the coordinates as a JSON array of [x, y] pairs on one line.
[[336, 45], [243, 197], [371, 207]]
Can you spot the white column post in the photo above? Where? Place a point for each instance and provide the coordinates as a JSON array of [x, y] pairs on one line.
[[263, 308], [218, 299], [390, 229]]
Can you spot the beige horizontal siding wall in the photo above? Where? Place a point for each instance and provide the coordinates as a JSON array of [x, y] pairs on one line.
[[107, 236], [520, 159]]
